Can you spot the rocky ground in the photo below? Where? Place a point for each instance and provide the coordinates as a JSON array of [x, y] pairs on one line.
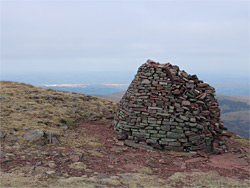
[[88, 155]]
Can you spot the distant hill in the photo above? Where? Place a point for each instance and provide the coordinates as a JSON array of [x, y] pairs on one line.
[[114, 96], [235, 111]]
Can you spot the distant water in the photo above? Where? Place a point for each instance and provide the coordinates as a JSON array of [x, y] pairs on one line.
[[224, 83], [118, 77]]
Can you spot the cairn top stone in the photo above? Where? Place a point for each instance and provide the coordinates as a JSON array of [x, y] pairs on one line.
[[166, 108]]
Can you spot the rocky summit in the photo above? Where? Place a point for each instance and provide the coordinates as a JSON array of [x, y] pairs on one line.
[[166, 108]]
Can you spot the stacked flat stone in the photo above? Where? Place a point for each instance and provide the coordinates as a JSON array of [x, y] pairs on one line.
[[166, 108]]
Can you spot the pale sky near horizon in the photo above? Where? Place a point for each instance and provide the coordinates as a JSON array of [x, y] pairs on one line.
[[121, 35]]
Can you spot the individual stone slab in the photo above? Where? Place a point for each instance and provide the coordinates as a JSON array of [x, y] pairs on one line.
[[133, 144], [175, 135]]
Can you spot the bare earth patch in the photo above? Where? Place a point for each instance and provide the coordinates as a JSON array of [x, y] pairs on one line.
[[109, 163]]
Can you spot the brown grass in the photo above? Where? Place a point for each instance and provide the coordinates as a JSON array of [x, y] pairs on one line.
[[24, 106]]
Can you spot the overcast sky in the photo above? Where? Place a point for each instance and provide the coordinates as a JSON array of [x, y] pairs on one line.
[[121, 35]]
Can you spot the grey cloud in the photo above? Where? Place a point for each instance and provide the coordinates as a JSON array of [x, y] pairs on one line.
[[87, 34]]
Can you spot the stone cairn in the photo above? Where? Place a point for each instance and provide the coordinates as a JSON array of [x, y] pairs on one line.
[[166, 108]]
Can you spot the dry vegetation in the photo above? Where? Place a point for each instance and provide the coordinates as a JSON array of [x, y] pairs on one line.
[[139, 179], [25, 107], [88, 155]]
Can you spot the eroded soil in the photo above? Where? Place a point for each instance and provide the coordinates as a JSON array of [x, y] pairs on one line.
[[90, 156]]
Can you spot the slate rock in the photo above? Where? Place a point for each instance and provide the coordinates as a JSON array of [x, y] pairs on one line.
[[2, 135], [34, 135], [146, 81], [166, 107], [55, 140], [74, 158], [126, 176], [51, 174], [186, 103], [165, 127], [103, 176], [175, 135]]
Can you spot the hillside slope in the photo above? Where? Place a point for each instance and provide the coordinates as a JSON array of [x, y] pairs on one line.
[[235, 111], [114, 96], [236, 98], [25, 105], [52, 138]]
